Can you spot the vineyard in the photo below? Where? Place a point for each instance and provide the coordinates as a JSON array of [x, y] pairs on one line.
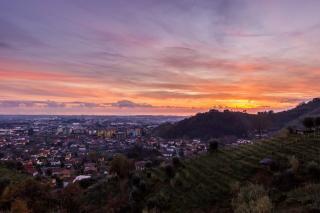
[[206, 181]]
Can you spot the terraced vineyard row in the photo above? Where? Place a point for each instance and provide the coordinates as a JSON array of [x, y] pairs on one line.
[[207, 179]]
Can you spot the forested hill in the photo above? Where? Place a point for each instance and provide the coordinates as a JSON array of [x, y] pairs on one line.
[[227, 123]]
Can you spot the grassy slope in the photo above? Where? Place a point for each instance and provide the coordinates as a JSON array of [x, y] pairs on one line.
[[205, 181]]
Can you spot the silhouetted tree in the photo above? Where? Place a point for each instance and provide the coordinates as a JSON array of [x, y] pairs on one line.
[[290, 129], [4, 182], [169, 171], [213, 145], [308, 123], [59, 182], [176, 162], [34, 193], [317, 123], [69, 198], [20, 206], [121, 166], [181, 153]]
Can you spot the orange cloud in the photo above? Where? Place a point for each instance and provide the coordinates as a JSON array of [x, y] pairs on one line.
[[256, 85]]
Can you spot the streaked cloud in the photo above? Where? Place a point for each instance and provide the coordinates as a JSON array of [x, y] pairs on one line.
[[119, 107], [158, 56], [129, 104], [55, 104]]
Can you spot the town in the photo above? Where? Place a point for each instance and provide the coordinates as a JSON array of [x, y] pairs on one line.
[[65, 149]]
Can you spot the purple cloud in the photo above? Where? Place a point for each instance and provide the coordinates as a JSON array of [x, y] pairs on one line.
[[129, 104], [153, 50], [74, 104]]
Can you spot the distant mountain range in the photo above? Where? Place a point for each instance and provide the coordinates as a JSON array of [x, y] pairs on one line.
[[215, 124]]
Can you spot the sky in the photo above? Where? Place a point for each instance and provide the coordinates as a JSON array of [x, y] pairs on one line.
[[176, 57]]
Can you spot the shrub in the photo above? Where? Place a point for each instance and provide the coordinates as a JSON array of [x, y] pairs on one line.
[[19, 206], [290, 130], [29, 191], [263, 205], [294, 163], [176, 181], [213, 145], [160, 201], [252, 199], [135, 180], [309, 196], [176, 162], [235, 187], [169, 171], [284, 180], [69, 198], [4, 182], [121, 166], [313, 169]]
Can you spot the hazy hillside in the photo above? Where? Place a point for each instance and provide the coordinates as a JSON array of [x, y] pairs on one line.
[[217, 124]]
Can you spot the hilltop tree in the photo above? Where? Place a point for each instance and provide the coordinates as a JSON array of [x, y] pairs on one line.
[[308, 123]]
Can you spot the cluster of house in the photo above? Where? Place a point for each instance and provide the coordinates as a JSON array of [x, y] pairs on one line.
[[70, 152], [178, 148]]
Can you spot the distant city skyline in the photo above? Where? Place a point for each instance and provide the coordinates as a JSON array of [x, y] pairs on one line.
[[157, 57]]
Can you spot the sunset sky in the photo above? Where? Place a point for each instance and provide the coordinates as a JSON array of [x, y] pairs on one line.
[[157, 56]]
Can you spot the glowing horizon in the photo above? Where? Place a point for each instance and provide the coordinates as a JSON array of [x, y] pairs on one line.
[[157, 57]]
